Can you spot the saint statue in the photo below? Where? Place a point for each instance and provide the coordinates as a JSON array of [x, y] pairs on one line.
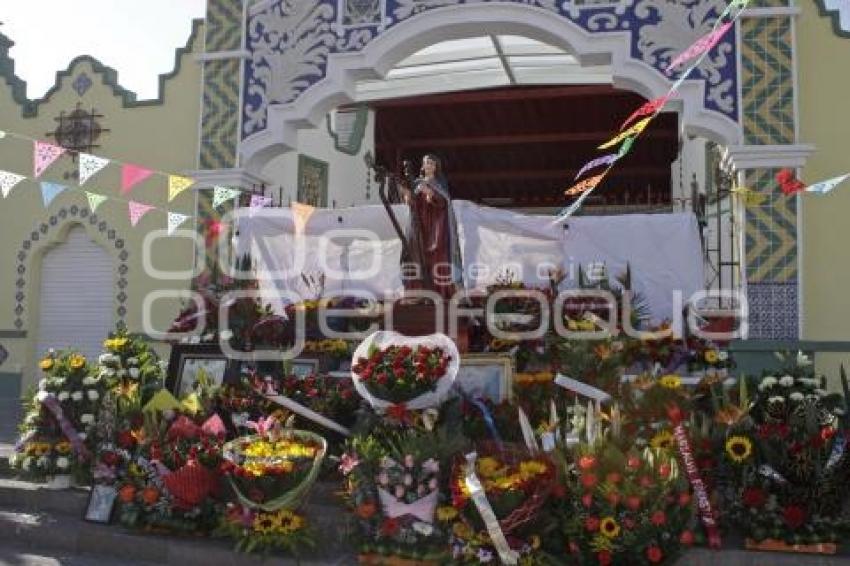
[[430, 234]]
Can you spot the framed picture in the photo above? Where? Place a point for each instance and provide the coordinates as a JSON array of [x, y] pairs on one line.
[[486, 376], [101, 502], [303, 367], [312, 181], [189, 362]]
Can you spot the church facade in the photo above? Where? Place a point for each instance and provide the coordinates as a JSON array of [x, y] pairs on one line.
[[270, 96]]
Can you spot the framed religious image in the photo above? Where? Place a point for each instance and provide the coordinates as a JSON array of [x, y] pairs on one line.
[[191, 363], [486, 376], [312, 181], [101, 502]]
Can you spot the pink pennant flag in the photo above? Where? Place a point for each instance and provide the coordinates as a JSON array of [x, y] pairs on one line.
[[260, 201], [137, 210], [700, 46], [650, 107], [44, 154], [131, 175]]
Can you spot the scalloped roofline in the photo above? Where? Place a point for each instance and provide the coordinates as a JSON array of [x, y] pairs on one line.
[[110, 76]]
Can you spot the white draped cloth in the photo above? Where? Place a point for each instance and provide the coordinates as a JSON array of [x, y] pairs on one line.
[[358, 251]]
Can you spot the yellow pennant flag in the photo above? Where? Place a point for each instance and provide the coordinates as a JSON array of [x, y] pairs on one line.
[[178, 184], [584, 185], [633, 131], [749, 196]]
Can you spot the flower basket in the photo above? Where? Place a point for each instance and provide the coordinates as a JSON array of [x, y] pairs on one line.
[[390, 369], [270, 474], [534, 491], [774, 545]]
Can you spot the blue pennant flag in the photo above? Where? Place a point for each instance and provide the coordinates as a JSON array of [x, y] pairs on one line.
[[49, 192]]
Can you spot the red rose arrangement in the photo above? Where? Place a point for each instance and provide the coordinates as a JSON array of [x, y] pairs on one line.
[[400, 373]]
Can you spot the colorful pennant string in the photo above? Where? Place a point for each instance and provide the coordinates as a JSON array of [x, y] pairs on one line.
[[178, 184], [702, 45], [749, 196], [598, 162], [132, 175], [626, 147], [137, 210], [90, 165], [49, 192], [223, 194], [95, 200], [8, 181], [826, 186], [44, 154], [633, 131], [175, 219]]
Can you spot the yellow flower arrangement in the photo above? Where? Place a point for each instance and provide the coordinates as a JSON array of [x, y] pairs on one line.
[[77, 361], [488, 467], [662, 440], [670, 381], [115, 343], [446, 513], [46, 364], [531, 468], [739, 448], [264, 523], [462, 531], [609, 527], [711, 356]]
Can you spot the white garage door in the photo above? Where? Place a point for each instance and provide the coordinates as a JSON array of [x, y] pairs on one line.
[[76, 300]]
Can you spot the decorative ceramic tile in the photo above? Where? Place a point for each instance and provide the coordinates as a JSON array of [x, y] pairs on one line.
[[773, 311], [771, 232]]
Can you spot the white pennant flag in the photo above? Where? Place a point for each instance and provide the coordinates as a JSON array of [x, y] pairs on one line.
[[174, 220], [90, 165], [223, 194], [8, 181], [825, 186]]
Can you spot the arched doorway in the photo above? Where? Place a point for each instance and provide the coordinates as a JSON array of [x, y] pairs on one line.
[[75, 297]]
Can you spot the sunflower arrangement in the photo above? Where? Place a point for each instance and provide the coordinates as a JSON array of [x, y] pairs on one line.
[[784, 464], [262, 531], [626, 506]]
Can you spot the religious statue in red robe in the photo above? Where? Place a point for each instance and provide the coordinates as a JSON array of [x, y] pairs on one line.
[[430, 234]]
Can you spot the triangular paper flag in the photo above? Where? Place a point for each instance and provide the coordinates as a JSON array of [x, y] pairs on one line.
[[301, 214], [43, 155], [825, 186], [90, 165], [650, 107], [178, 184], [700, 46], [95, 200], [137, 210], [598, 162], [174, 220], [162, 401], [626, 147], [8, 181], [223, 194], [131, 175], [49, 192], [584, 185], [633, 131], [751, 197]]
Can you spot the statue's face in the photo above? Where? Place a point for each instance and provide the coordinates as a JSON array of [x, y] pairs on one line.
[[429, 166]]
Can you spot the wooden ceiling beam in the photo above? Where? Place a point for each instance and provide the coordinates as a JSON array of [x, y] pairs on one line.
[[504, 95], [516, 139]]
